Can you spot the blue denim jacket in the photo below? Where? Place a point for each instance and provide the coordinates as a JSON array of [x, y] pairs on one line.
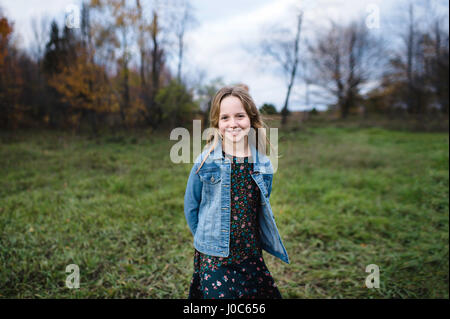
[[207, 204]]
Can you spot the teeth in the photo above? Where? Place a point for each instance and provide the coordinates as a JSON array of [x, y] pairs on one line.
[[233, 130]]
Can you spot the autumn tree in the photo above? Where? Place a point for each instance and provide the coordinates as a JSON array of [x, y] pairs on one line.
[[60, 53], [123, 25], [85, 88], [11, 81], [152, 57], [118, 18], [82, 86], [6, 30]]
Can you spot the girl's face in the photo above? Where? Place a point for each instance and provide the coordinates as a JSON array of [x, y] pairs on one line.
[[234, 122]]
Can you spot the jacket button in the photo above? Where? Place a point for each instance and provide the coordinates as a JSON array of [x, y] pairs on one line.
[[212, 178]]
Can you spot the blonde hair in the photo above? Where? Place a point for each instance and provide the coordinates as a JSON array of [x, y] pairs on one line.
[[250, 108], [244, 86]]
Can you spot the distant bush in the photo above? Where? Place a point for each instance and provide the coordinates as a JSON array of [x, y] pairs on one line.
[[313, 111], [176, 103], [268, 109]]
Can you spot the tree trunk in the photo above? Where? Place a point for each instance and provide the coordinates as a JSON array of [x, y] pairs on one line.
[[284, 111]]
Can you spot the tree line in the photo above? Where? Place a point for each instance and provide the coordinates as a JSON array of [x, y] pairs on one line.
[[352, 68], [84, 74], [113, 69]]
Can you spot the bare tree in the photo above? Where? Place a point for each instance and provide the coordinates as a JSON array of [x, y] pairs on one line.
[[182, 19], [41, 29], [410, 40], [284, 48], [342, 61], [438, 64], [157, 56], [141, 40], [420, 63], [119, 17]]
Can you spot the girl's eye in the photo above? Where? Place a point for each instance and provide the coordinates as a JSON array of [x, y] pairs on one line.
[[223, 117]]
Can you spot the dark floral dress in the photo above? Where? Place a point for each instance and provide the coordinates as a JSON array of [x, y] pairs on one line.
[[243, 274]]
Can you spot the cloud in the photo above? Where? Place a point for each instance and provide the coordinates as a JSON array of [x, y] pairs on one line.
[[218, 46], [22, 12]]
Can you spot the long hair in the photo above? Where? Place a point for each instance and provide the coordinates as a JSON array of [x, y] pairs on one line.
[[256, 121]]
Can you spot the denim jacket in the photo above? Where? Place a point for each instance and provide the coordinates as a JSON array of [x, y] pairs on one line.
[[207, 204]]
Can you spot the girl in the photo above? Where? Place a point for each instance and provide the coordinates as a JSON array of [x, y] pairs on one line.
[[227, 207]]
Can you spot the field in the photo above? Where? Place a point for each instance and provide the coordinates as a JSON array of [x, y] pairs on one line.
[[343, 198]]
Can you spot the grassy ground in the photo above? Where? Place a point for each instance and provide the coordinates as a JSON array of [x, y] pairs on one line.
[[343, 197]]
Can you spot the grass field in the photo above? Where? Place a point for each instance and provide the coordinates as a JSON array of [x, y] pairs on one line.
[[343, 198]]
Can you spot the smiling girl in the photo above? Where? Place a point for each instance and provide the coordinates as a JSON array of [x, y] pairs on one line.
[[227, 205]]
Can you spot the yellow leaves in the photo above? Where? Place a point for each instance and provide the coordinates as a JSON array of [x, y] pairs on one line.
[[5, 33], [120, 20], [84, 85], [96, 3]]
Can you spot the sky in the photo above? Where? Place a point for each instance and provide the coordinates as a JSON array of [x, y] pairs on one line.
[[225, 42]]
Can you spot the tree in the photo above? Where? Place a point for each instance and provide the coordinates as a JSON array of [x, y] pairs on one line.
[[84, 86], [60, 53], [53, 51], [436, 56], [418, 71], [8, 96], [157, 55], [342, 61], [285, 50], [123, 17], [40, 36], [268, 109], [182, 20], [206, 94], [176, 103]]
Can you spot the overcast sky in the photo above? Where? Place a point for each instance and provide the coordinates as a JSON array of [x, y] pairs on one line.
[[221, 45]]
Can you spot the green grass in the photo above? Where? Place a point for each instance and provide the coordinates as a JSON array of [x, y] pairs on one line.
[[343, 198]]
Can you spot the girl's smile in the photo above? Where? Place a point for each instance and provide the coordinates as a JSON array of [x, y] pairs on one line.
[[234, 123], [235, 131]]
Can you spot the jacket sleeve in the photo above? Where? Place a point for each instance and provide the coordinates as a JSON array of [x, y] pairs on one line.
[[269, 188], [192, 199], [268, 179]]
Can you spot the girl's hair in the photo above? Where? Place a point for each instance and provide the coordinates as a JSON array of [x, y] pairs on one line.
[[256, 120]]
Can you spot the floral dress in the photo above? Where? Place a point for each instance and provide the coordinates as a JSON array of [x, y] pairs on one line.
[[243, 274]]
